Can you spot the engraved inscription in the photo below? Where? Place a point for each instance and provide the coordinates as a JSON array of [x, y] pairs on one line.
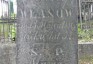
[[36, 49], [40, 50], [48, 0], [50, 62], [43, 38], [61, 13], [47, 31], [33, 52], [59, 51]]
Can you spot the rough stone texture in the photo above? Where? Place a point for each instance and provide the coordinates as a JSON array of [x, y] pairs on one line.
[[85, 49], [47, 32], [7, 54]]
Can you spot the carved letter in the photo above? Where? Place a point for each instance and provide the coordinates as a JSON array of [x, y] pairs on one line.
[[50, 13], [43, 14], [59, 51], [23, 13], [30, 13]]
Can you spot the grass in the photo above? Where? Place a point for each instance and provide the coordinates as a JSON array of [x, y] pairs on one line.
[[85, 34], [86, 60]]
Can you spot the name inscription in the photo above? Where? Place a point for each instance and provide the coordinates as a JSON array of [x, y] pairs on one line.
[[43, 13]]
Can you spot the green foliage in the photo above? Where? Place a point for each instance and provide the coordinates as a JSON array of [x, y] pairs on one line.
[[8, 29], [13, 15], [86, 60], [85, 34], [13, 31], [13, 27]]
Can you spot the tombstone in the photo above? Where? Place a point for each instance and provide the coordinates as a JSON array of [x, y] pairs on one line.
[[47, 32]]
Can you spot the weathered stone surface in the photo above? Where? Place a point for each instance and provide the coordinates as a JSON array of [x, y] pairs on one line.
[[85, 49], [47, 32], [7, 53]]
